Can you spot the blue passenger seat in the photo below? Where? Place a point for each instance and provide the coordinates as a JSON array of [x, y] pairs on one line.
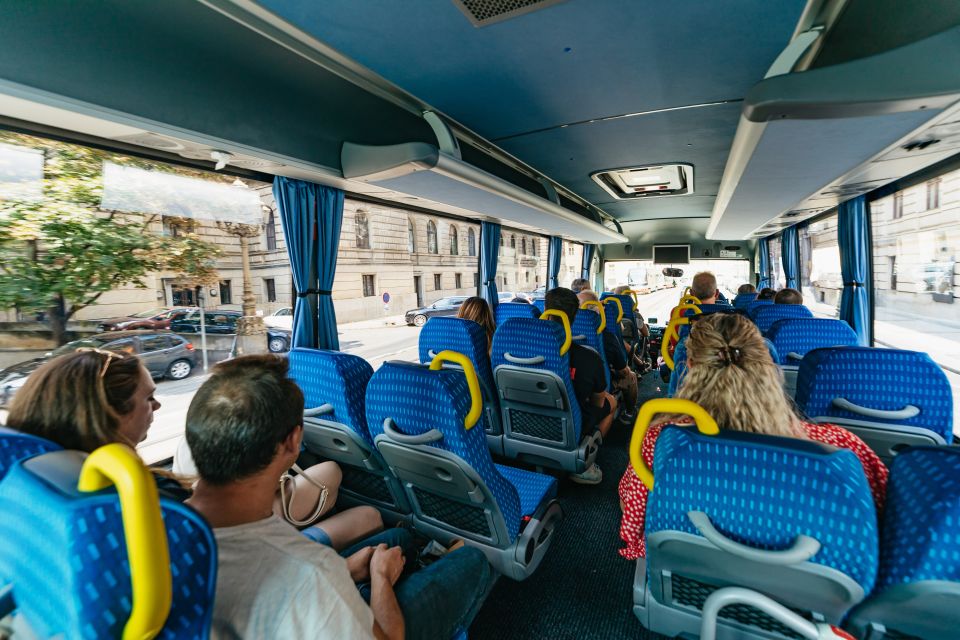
[[611, 312], [766, 315], [507, 310], [334, 386], [540, 304], [889, 397], [467, 337], [587, 331], [794, 337], [541, 415], [918, 588], [743, 299], [422, 421], [751, 308]]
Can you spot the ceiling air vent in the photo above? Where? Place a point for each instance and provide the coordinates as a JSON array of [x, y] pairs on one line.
[[486, 12], [646, 182]]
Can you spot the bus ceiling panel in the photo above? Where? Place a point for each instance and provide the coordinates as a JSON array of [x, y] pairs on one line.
[[423, 171], [800, 133], [690, 206], [565, 63], [646, 233]]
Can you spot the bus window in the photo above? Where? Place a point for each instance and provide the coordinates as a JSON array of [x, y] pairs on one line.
[[777, 279], [571, 263], [820, 279]]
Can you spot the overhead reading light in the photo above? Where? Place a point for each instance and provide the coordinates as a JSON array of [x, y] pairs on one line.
[[647, 181]]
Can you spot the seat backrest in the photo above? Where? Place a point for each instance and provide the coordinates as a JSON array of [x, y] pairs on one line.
[[507, 310], [337, 379], [68, 554], [752, 307], [794, 337], [540, 304], [743, 299], [626, 301], [16, 446], [873, 381], [419, 400], [585, 332], [766, 315]]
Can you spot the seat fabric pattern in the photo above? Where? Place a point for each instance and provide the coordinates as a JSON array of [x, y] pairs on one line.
[[507, 310], [763, 491], [526, 338], [337, 378], [533, 488], [16, 446], [766, 315], [679, 367], [885, 379], [610, 312], [752, 307], [800, 335], [540, 304], [586, 324], [419, 400], [743, 299], [921, 525], [74, 579]]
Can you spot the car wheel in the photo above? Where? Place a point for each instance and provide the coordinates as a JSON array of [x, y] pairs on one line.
[[179, 369], [419, 320], [277, 345]]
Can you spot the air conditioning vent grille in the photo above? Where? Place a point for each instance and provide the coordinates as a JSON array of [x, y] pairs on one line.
[[628, 183], [485, 12]]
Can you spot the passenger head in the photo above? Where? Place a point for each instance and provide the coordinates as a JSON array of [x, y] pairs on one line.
[[704, 287], [579, 285], [730, 374], [766, 294], [621, 289], [477, 309], [242, 417], [86, 399], [746, 288], [563, 300], [588, 296], [520, 300], [788, 296]]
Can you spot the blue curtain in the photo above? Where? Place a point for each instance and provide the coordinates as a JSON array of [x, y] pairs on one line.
[[853, 238], [764, 267], [554, 251], [790, 256], [311, 215], [489, 248], [589, 251]]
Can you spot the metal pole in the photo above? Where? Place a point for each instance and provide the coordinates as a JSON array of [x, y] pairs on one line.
[[203, 329]]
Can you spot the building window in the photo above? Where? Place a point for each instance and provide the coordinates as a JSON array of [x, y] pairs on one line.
[[471, 242], [933, 194], [897, 205], [171, 227], [513, 241], [226, 295], [533, 246], [459, 281], [500, 251], [432, 237], [436, 282], [476, 279], [523, 246], [893, 273], [362, 230], [411, 236], [454, 241], [271, 232], [271, 285], [528, 277], [369, 290]]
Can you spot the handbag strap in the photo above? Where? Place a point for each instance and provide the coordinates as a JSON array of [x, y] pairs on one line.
[[286, 497]]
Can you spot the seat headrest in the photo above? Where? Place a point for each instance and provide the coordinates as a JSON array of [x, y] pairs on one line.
[[335, 378], [800, 335], [766, 315], [507, 310], [16, 446]]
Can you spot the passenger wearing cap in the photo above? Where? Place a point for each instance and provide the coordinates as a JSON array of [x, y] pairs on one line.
[[730, 374]]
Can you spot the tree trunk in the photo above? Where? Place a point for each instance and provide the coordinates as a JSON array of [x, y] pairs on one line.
[[57, 318]]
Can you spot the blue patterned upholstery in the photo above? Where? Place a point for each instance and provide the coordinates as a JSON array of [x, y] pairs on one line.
[[766, 315], [679, 367], [763, 491], [610, 313], [626, 301], [533, 488], [586, 324], [418, 400], [74, 578], [540, 304], [526, 338], [507, 310], [16, 446], [752, 307], [921, 525], [743, 299], [335, 378], [885, 379], [800, 335]]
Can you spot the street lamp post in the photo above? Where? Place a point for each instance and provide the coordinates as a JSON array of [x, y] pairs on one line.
[[251, 331]]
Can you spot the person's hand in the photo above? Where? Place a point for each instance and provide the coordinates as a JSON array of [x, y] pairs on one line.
[[387, 563], [359, 564]]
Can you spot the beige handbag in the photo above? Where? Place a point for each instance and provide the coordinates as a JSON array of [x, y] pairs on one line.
[[301, 503]]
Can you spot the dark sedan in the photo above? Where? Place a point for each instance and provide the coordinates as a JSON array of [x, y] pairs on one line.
[[214, 321], [152, 319], [442, 307]]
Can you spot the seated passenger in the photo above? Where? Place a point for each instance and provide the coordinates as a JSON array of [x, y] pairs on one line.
[[746, 288], [704, 287], [521, 300], [730, 374], [788, 296], [597, 407], [766, 294], [580, 284], [477, 309], [244, 429], [623, 377]]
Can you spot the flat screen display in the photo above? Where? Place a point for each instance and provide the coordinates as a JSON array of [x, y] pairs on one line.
[[671, 254]]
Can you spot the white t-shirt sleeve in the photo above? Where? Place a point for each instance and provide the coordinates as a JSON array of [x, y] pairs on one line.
[[310, 614]]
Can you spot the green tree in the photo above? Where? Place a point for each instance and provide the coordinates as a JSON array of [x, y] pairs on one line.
[[60, 254]]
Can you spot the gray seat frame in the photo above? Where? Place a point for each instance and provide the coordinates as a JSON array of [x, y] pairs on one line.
[[925, 609], [886, 440]]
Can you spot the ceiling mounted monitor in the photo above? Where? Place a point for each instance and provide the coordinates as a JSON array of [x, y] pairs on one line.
[[647, 181], [671, 254]]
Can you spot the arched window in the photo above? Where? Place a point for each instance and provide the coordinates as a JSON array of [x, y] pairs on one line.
[[454, 241], [432, 237], [500, 252], [362, 230], [523, 246], [411, 236], [535, 243], [513, 241], [271, 232], [471, 242]]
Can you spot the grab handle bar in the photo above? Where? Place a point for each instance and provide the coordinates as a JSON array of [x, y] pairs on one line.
[[738, 595], [516, 360], [793, 355], [389, 428], [318, 411], [906, 413], [804, 547]]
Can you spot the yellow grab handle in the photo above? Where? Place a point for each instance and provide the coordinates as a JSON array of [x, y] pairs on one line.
[[677, 310], [568, 335], [473, 383], [616, 301], [705, 424], [603, 316], [665, 341], [687, 299], [687, 291], [150, 579], [633, 294]]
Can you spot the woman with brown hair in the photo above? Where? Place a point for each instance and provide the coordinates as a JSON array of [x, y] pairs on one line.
[[478, 310], [730, 374]]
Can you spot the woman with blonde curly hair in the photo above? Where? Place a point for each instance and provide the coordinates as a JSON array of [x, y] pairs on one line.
[[730, 374]]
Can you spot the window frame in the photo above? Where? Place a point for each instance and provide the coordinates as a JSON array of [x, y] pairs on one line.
[[361, 221], [270, 287], [370, 278], [433, 240]]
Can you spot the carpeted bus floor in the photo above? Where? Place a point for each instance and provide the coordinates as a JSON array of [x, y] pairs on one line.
[[583, 588]]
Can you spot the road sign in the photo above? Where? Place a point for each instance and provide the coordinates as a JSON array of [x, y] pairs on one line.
[[386, 298]]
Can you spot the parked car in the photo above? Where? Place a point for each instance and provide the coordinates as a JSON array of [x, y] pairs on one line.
[[281, 319], [215, 321], [278, 340], [507, 296], [164, 354], [152, 319], [442, 307]]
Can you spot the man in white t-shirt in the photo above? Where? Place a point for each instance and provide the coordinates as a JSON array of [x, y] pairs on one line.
[[244, 430]]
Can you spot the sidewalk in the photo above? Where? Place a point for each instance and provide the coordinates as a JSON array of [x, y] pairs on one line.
[[376, 323]]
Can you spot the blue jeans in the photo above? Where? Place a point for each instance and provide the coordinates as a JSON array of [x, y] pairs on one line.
[[440, 599]]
